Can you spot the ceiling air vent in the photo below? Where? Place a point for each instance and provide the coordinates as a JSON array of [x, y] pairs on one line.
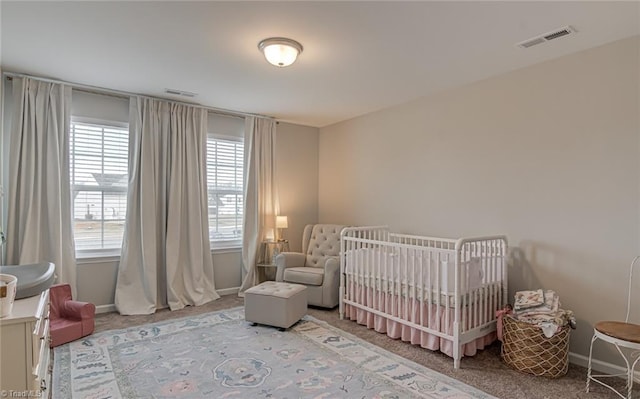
[[557, 34], [181, 93], [532, 42], [560, 32]]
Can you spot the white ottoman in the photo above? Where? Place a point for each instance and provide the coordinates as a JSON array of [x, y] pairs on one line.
[[275, 304]]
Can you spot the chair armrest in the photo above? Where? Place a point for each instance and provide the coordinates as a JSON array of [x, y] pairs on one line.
[[288, 259], [79, 310], [331, 283], [332, 267]]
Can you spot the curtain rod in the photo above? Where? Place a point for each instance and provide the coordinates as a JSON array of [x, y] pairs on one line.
[[126, 94]]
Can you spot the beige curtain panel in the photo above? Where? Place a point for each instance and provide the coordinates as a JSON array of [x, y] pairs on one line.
[[39, 226], [260, 198], [166, 256]]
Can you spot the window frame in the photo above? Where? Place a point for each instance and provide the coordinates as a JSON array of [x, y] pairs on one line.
[[91, 253], [236, 243]]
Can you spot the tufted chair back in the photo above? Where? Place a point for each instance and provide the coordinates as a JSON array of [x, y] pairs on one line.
[[320, 241]]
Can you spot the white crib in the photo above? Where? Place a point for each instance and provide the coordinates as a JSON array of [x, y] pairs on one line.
[[439, 293]]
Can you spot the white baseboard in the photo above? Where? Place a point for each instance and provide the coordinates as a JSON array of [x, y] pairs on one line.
[[112, 307], [228, 291], [106, 308], [600, 366]]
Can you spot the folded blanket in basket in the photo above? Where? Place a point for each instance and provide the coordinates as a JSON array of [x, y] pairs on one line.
[[542, 308], [550, 304], [528, 299], [550, 323]]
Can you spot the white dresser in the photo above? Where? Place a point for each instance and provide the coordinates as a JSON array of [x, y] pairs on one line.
[[24, 349]]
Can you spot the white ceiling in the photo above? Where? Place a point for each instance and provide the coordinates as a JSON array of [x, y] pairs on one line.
[[358, 56]]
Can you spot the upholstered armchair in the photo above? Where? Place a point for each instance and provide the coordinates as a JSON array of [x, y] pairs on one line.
[[70, 320], [317, 267]]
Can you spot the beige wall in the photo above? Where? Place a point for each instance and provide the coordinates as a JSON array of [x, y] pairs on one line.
[[97, 277], [2, 165], [548, 155], [297, 170]]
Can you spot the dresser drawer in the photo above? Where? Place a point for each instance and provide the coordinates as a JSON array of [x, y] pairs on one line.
[[41, 350], [42, 313], [42, 380], [42, 369], [40, 338]]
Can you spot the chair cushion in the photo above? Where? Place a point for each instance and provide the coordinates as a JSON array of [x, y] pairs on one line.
[[275, 289], [63, 331], [324, 242], [304, 275], [617, 329]]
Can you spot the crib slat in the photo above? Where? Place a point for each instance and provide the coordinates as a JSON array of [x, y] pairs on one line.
[[430, 289]]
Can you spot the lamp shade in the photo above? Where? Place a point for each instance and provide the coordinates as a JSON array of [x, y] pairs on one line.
[[280, 51], [282, 222]]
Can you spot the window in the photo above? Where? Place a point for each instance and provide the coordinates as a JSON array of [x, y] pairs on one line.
[[99, 175], [225, 166]]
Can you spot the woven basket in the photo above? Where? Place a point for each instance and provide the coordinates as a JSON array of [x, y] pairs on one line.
[[526, 349]]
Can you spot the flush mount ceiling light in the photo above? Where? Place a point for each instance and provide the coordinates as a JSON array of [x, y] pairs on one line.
[[280, 51]]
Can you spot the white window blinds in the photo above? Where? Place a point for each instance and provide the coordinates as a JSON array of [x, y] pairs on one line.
[[99, 175], [225, 161]]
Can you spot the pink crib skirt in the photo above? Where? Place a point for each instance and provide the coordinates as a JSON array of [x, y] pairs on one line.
[[410, 310]]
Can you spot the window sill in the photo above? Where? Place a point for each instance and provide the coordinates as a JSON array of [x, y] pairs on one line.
[[225, 246], [226, 249], [97, 257]]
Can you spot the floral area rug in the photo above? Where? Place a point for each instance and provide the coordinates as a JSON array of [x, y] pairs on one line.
[[220, 355]]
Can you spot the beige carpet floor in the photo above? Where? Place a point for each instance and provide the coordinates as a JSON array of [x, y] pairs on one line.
[[484, 371]]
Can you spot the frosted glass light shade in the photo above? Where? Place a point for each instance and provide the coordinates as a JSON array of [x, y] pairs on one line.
[[280, 51]]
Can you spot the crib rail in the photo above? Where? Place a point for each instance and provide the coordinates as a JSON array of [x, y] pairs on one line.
[[491, 251], [446, 287], [432, 242], [352, 234]]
